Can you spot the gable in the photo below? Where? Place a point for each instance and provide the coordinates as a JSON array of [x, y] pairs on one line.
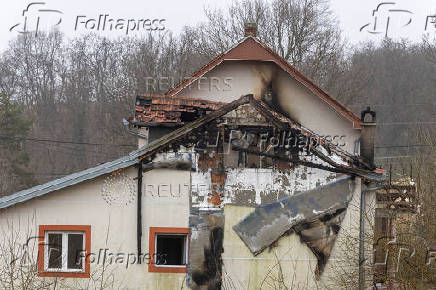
[[251, 49]]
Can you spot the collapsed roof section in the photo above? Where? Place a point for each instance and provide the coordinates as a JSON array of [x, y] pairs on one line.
[[332, 157], [159, 110]]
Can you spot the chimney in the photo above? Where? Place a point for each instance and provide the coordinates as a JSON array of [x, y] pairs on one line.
[[367, 136], [250, 29]]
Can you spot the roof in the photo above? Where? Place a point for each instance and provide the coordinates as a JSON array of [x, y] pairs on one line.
[[109, 167], [152, 110], [71, 179], [153, 147], [251, 48]]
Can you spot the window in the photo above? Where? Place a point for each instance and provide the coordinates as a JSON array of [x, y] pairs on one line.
[[168, 248], [64, 251]]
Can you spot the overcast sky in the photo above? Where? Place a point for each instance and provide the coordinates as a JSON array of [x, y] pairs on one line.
[[407, 18]]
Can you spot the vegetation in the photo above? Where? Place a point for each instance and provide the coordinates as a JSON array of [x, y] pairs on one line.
[[78, 90], [14, 126]]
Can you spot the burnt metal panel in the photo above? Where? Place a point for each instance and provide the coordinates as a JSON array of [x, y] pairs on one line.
[[270, 221]]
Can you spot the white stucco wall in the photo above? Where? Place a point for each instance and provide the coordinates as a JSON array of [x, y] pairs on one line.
[[245, 186], [166, 204], [113, 226]]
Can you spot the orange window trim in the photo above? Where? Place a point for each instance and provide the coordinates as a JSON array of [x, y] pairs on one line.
[[41, 249], [152, 249]]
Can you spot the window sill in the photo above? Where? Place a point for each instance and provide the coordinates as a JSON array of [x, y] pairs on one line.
[[166, 269], [64, 274]]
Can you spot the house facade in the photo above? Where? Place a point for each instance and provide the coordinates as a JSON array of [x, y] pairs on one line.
[[247, 176]]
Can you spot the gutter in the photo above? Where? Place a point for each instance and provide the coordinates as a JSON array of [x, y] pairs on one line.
[[130, 131], [362, 235]]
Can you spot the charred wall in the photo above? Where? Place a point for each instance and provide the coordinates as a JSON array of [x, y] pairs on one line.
[[206, 248]]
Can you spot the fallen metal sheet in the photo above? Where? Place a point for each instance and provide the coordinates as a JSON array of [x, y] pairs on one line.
[[270, 221]]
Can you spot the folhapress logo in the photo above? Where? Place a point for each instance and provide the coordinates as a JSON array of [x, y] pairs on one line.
[[37, 16]]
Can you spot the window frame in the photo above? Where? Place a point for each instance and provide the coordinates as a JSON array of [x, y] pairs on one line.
[[44, 231], [154, 232]]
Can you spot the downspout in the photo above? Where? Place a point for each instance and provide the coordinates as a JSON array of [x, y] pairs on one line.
[[362, 236], [139, 213]]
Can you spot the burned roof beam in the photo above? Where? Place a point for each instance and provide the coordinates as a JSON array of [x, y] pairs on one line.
[[285, 123], [337, 169], [287, 159], [355, 171], [268, 115]]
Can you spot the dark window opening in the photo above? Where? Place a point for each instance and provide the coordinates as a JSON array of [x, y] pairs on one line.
[[171, 250], [75, 248], [55, 251]]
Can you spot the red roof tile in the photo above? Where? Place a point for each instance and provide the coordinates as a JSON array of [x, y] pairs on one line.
[[158, 109]]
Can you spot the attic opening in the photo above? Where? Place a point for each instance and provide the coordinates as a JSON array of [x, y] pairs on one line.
[[190, 116]]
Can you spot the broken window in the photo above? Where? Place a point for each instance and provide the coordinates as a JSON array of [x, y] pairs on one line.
[[171, 249], [168, 248]]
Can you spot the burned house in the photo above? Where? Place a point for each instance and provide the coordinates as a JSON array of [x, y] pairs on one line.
[[236, 187]]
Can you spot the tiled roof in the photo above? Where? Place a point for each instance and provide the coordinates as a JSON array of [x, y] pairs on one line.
[[157, 109]]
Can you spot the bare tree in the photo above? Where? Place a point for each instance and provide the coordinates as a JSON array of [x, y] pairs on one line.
[[304, 32]]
